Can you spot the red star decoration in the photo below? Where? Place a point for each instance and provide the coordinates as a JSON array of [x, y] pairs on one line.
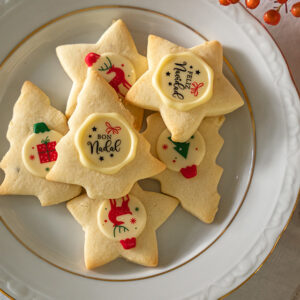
[[165, 146], [133, 220], [31, 157]]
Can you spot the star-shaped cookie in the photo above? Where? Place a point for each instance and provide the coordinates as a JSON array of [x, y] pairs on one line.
[[116, 40], [185, 85], [104, 241], [102, 151], [194, 183], [31, 155]]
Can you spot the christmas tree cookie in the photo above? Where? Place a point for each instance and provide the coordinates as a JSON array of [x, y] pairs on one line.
[[185, 85], [192, 175], [123, 227], [34, 131], [102, 151], [114, 56]]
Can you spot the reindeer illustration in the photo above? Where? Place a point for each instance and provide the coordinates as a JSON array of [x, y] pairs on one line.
[[118, 79], [116, 211]]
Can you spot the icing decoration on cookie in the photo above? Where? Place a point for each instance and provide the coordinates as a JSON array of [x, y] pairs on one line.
[[91, 58], [116, 69], [105, 142], [128, 243], [38, 153], [183, 80], [122, 220], [189, 171], [181, 157]]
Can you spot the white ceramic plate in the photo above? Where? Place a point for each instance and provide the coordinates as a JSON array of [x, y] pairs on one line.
[[41, 249]]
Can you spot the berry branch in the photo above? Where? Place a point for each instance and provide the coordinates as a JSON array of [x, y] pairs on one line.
[[272, 16]]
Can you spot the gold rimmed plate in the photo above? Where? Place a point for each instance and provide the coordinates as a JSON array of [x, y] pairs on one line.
[[50, 233]]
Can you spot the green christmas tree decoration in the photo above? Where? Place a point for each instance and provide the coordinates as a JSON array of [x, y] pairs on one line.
[[40, 127], [181, 148]]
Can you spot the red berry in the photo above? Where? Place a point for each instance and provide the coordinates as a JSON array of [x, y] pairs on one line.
[[234, 1], [296, 10], [224, 2], [252, 3], [282, 1], [272, 17]]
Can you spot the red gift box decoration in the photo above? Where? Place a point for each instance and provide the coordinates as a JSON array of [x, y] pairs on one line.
[[46, 151]]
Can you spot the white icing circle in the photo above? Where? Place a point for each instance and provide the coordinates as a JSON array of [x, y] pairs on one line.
[[39, 154], [122, 218], [117, 70], [177, 156]]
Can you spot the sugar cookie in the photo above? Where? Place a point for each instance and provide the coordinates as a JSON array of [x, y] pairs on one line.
[[114, 56], [33, 132], [185, 85], [102, 151], [122, 227], [192, 175]]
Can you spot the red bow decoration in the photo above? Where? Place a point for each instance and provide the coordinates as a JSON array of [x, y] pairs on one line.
[[114, 130], [195, 87]]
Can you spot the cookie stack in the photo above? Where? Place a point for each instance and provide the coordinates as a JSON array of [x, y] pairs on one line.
[[99, 154]]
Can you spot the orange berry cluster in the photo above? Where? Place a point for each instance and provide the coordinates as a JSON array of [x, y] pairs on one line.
[[272, 16]]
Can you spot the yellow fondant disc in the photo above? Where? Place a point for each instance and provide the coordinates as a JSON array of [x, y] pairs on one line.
[[106, 142], [183, 80]]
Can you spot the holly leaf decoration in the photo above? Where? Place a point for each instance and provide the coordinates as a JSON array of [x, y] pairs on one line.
[[40, 127]]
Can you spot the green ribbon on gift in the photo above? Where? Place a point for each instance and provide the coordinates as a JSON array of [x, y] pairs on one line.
[[45, 141]]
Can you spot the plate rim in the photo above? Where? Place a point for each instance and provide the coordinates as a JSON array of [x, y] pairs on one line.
[[297, 200]]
